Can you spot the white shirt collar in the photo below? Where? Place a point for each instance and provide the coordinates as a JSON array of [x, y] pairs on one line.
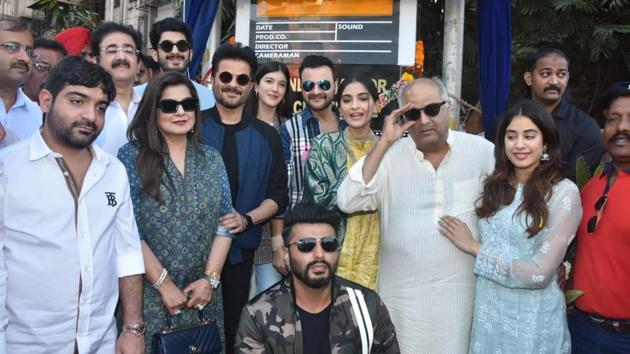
[[39, 149]]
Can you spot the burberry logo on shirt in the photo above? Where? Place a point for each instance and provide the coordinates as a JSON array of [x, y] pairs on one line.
[[111, 199]]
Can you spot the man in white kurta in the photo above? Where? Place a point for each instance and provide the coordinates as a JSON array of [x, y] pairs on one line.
[[426, 282]]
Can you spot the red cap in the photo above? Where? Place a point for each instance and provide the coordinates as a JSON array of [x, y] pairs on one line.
[[74, 39]]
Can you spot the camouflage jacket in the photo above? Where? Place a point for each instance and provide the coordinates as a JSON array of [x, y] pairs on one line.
[[359, 322]]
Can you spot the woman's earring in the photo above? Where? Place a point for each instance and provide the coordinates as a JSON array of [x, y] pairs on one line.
[[545, 155]]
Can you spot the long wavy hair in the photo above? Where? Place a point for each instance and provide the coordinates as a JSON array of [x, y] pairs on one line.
[[499, 188], [143, 131]]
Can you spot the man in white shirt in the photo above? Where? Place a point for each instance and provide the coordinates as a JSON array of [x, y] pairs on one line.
[[427, 285], [115, 49], [18, 113], [171, 47], [68, 236]]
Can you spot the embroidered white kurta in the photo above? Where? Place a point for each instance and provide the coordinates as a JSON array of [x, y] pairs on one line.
[[427, 283]]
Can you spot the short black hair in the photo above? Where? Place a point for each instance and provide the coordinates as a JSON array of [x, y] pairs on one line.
[[235, 52], [149, 62], [110, 27], [542, 53], [51, 44], [75, 71], [316, 61], [169, 24], [309, 213]]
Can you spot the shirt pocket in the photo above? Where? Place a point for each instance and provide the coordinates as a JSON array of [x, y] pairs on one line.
[[465, 194]]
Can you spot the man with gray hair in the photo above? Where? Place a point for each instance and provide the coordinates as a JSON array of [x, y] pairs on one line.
[[426, 284]]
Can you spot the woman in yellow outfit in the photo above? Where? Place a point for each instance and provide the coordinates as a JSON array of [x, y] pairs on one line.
[[330, 157]]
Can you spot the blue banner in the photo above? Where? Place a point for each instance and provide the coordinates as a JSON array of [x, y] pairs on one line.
[[199, 16]]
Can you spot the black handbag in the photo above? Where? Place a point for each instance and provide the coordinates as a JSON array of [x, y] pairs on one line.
[[201, 338]]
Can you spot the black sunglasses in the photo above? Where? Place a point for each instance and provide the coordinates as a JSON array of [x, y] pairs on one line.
[[307, 244], [431, 110], [226, 77], [309, 85], [592, 223], [189, 104], [181, 45]]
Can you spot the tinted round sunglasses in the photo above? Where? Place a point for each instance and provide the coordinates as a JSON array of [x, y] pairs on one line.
[[226, 77], [307, 244], [431, 110], [189, 104], [309, 85], [167, 46]]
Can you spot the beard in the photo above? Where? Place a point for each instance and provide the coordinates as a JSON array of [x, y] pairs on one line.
[[166, 66], [313, 282], [218, 96], [322, 107], [65, 133]]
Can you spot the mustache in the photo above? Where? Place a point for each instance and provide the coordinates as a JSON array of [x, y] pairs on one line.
[[86, 124], [313, 96], [621, 135], [230, 89], [175, 56], [20, 64], [310, 264], [120, 62], [552, 87]]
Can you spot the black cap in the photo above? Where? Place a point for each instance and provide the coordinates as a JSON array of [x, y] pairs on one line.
[[618, 89]]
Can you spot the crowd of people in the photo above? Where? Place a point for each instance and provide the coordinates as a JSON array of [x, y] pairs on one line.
[[132, 196]]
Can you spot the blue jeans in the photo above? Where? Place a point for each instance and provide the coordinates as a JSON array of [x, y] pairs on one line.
[[266, 276], [588, 338]]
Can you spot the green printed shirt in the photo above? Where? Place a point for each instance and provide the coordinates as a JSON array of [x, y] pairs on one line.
[[359, 322]]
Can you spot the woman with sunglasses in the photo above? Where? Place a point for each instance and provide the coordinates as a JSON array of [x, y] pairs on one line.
[[329, 159], [270, 104], [530, 213], [179, 189]]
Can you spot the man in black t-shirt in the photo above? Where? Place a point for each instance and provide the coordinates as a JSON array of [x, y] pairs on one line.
[[312, 310]]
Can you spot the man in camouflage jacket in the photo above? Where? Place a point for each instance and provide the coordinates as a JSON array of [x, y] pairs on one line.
[[359, 321]]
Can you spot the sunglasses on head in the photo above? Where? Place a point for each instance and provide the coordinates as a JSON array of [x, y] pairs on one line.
[[307, 244], [309, 85], [226, 77], [181, 45], [189, 104], [592, 223], [431, 110]]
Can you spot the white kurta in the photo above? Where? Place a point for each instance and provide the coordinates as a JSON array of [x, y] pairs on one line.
[[427, 283]]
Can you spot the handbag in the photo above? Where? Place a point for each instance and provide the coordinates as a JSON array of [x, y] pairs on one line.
[[201, 338]]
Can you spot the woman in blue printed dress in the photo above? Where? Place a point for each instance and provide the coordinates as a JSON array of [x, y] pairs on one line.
[[179, 189], [529, 214]]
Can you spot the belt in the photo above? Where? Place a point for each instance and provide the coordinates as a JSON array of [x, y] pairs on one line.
[[618, 326]]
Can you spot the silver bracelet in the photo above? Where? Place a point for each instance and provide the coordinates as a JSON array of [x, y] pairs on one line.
[[161, 279]]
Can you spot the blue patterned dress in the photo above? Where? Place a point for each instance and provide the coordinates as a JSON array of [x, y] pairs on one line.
[[519, 307], [181, 231]]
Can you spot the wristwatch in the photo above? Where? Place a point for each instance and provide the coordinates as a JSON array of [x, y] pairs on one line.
[[213, 278], [248, 221], [135, 329]]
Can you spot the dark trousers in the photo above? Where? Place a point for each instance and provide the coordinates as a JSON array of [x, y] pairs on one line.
[[588, 338], [235, 281]]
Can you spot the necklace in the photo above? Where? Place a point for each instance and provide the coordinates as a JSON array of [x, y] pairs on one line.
[[363, 144]]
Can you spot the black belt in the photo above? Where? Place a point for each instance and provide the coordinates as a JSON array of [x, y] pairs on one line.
[[617, 326]]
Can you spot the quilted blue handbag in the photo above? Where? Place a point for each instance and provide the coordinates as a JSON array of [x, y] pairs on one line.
[[201, 338]]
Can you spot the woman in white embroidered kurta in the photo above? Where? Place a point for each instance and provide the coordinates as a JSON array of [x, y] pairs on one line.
[[519, 307]]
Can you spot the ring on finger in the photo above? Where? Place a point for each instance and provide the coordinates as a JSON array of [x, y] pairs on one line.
[[200, 307]]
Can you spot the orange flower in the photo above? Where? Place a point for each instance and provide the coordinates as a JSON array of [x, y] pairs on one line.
[[419, 54]]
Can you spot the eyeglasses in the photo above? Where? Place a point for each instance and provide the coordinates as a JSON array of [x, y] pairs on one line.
[[307, 244], [13, 47], [189, 104], [431, 110], [167, 46], [226, 77], [126, 50], [592, 223], [42, 67], [309, 85]]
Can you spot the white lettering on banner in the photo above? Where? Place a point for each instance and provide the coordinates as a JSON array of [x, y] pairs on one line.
[[264, 27], [345, 26], [278, 55], [277, 46]]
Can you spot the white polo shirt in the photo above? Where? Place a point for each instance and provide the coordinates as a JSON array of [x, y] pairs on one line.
[[24, 118], [114, 133], [61, 258]]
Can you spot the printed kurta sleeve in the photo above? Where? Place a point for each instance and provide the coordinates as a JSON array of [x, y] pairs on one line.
[[3, 270], [320, 181], [127, 156], [226, 194], [565, 211], [127, 243], [354, 195], [249, 339]]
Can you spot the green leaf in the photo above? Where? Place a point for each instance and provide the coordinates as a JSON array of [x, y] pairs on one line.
[[582, 172], [572, 295]]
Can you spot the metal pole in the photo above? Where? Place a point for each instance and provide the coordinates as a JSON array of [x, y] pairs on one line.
[[453, 50]]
